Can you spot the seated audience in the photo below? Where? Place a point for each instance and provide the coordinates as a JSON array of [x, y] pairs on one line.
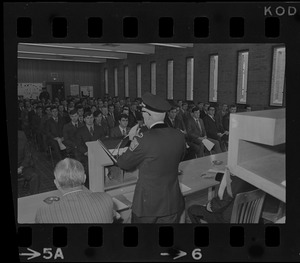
[[219, 209], [77, 204], [26, 163], [69, 134], [112, 119], [226, 120], [54, 132], [212, 129], [37, 127], [122, 129], [204, 110], [196, 133], [101, 122]]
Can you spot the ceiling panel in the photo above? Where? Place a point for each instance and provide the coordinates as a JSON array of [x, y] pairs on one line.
[[89, 52]]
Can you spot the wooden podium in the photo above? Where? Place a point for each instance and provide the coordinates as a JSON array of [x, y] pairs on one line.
[[98, 161]]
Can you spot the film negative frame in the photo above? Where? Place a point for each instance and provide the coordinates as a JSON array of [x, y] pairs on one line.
[[213, 242]]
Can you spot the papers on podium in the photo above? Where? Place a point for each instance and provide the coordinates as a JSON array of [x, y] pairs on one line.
[[107, 152], [208, 144]]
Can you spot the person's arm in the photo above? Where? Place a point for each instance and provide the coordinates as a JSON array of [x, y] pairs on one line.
[[67, 139], [133, 156]]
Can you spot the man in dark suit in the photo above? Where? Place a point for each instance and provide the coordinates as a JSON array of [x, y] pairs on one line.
[[101, 122], [77, 204], [112, 119], [26, 163], [157, 153], [211, 126], [37, 127], [122, 129], [88, 133], [196, 131], [44, 94], [54, 131], [69, 133], [219, 209]]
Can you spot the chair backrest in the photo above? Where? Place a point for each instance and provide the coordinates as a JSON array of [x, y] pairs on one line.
[[247, 207]]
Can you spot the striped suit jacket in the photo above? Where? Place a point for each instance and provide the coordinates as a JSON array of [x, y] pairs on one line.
[[82, 206]]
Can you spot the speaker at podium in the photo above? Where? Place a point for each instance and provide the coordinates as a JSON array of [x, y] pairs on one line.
[[104, 174]]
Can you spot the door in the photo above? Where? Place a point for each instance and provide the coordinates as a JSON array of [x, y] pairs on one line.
[[57, 90]]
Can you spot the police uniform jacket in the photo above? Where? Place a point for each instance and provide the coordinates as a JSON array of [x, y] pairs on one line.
[[157, 154]]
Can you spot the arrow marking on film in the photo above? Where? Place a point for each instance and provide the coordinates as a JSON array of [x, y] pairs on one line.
[[33, 254], [180, 254]]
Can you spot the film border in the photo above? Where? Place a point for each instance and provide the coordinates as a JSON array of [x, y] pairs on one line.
[[254, 15]]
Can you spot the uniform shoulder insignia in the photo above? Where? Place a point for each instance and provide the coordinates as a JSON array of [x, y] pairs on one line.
[[134, 143], [140, 135]]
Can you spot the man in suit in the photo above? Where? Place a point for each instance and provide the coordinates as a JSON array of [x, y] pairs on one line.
[[112, 119], [212, 128], [54, 132], [204, 110], [196, 131], [26, 164], [219, 209], [157, 153], [77, 204], [69, 133], [88, 133], [101, 122], [37, 127], [44, 94], [122, 129]]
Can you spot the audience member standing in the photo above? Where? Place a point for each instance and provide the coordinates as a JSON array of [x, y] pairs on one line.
[[26, 164], [77, 204], [44, 94], [54, 131]]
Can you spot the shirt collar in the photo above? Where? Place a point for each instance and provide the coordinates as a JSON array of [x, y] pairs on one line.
[[155, 123]]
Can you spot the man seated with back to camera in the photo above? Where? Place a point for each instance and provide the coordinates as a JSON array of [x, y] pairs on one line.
[[77, 204], [219, 209]]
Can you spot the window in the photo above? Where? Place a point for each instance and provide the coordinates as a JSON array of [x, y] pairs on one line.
[[242, 77], [189, 78], [116, 81], [153, 78], [278, 76], [170, 80], [126, 81], [139, 80], [213, 78], [106, 80]]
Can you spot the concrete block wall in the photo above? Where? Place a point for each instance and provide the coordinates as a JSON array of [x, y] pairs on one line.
[[259, 72]]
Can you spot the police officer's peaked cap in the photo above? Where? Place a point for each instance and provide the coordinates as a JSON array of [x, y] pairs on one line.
[[155, 103]]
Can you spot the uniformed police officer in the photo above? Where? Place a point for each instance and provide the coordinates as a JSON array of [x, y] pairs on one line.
[[157, 154]]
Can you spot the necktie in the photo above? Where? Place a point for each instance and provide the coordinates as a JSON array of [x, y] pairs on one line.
[[199, 126], [225, 183], [76, 125], [91, 130], [173, 123], [124, 132]]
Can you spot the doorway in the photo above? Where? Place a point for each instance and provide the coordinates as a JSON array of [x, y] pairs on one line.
[[56, 90]]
